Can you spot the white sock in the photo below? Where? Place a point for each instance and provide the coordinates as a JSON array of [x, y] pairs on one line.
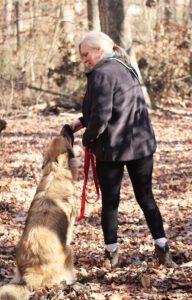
[[161, 242], [111, 247]]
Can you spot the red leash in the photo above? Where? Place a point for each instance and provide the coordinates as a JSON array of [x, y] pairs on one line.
[[89, 157]]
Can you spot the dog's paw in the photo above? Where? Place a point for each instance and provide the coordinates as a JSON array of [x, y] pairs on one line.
[[69, 281], [70, 277]]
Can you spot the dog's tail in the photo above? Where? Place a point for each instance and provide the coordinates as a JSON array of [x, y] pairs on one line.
[[14, 292]]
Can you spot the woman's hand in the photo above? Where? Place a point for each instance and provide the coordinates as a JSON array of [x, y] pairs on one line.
[[76, 125]]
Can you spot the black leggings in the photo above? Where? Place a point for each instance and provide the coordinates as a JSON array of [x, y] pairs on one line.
[[110, 176]]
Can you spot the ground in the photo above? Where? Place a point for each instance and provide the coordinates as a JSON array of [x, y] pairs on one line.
[[139, 277]]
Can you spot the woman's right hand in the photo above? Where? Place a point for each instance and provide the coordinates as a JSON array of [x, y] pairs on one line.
[[76, 125]]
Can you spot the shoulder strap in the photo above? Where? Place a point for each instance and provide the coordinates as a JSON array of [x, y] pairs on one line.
[[125, 65]]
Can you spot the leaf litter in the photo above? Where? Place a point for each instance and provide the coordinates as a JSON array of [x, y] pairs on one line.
[[138, 277]]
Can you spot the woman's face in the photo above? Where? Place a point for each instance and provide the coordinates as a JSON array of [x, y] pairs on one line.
[[90, 56]]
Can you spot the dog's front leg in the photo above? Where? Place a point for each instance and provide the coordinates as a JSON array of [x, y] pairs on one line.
[[69, 271], [70, 228]]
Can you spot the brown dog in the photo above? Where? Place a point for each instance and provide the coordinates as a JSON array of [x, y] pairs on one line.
[[44, 256]]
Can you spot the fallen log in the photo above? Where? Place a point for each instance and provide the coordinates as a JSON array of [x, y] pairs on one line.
[[59, 102], [45, 91]]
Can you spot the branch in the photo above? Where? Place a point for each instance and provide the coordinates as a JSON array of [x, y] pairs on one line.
[[45, 91]]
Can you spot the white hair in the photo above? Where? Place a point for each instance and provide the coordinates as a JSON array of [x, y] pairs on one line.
[[98, 39]]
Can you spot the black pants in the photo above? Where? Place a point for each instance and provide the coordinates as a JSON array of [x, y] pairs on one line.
[[110, 176]]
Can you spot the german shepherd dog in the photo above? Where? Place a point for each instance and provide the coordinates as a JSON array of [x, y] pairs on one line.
[[44, 255]]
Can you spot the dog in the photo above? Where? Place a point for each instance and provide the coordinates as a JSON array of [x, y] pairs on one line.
[[44, 255]]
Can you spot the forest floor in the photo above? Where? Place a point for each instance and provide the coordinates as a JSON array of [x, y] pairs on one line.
[[139, 277]]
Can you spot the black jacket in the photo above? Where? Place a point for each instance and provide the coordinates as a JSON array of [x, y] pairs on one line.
[[115, 114]]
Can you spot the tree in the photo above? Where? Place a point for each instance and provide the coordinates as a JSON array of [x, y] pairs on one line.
[[115, 22], [93, 15], [17, 21], [109, 10], [190, 13], [7, 16]]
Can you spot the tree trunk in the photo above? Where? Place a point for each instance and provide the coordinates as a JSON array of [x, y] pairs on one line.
[[167, 12], [93, 15], [115, 22], [190, 13], [17, 17], [111, 18], [159, 17], [32, 11], [67, 23], [7, 16]]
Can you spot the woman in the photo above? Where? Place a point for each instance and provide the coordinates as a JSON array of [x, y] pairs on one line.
[[119, 132]]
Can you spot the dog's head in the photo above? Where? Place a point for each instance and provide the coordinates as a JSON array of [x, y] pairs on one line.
[[61, 152]]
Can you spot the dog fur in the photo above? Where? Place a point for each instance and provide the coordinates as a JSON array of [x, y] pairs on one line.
[[44, 255]]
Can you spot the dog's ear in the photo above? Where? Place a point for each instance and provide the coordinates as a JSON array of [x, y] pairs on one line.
[[67, 132]]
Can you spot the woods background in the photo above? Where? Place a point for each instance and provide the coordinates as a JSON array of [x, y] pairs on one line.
[[39, 61], [42, 84]]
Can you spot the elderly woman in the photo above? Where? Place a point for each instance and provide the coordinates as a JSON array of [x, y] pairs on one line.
[[119, 132]]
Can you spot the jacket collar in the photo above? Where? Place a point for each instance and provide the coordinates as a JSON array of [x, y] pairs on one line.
[[100, 63]]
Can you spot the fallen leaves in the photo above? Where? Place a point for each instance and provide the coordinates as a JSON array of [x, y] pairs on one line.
[[138, 276], [145, 281]]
